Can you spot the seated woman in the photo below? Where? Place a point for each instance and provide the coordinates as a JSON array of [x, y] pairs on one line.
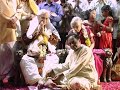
[[31, 62], [78, 72]]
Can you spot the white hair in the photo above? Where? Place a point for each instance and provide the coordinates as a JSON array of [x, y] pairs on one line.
[[75, 20], [49, 25], [43, 11]]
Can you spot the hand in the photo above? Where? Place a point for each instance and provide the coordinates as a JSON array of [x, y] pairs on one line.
[[86, 24], [32, 53], [14, 19], [41, 29], [29, 18], [50, 74], [11, 24], [41, 81], [49, 83], [99, 23], [53, 39], [53, 14], [77, 4], [40, 84], [36, 34], [42, 24], [57, 78], [99, 34], [83, 27], [84, 31]]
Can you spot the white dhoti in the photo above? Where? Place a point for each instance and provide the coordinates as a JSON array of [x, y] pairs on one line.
[[51, 61], [30, 70], [6, 59]]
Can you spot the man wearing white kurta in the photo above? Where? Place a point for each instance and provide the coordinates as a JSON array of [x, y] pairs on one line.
[[29, 64], [79, 67]]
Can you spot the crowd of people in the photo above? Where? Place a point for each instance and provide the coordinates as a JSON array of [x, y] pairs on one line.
[[31, 32]]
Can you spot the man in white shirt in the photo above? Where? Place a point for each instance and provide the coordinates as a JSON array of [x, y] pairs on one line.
[[78, 72], [30, 63]]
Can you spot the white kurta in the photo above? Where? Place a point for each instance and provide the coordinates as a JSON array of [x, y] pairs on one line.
[[28, 64], [79, 64], [30, 70]]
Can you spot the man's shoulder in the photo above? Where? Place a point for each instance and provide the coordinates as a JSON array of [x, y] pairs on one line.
[[56, 4], [42, 4], [86, 48]]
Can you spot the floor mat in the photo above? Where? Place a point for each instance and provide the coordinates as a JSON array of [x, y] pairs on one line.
[[105, 86], [111, 86]]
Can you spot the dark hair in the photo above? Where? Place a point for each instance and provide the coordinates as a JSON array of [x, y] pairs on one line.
[[76, 36], [87, 13], [107, 8], [63, 1]]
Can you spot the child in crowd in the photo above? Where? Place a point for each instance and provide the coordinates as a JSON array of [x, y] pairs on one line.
[[107, 28]]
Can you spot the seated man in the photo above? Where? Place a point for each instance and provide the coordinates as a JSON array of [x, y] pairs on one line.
[[78, 72], [31, 63]]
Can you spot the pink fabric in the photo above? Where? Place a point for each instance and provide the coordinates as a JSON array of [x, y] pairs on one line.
[[100, 52], [111, 86], [98, 64], [98, 61]]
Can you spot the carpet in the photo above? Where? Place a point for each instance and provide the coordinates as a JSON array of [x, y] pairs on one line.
[[111, 85], [105, 86]]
